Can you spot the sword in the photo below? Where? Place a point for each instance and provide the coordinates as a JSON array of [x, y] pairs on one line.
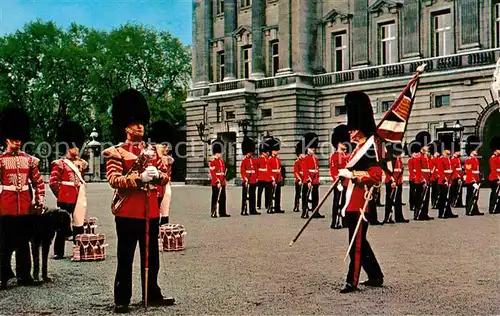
[[271, 203]]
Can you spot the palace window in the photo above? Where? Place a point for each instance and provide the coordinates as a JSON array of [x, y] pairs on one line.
[[247, 62], [266, 113], [275, 58], [497, 25], [220, 64], [220, 6], [441, 100], [339, 48], [442, 44], [388, 44], [340, 110], [386, 105], [230, 115], [246, 3]]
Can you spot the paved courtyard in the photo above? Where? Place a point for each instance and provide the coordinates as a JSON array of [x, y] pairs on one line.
[[243, 265]]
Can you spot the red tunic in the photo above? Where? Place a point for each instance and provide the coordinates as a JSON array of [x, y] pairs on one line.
[[248, 169], [411, 169], [297, 171], [120, 160], [456, 164], [64, 182], [472, 170], [445, 170], [338, 161], [494, 168], [397, 174], [274, 167], [263, 174], [310, 166], [422, 165], [434, 168], [217, 171], [16, 171]]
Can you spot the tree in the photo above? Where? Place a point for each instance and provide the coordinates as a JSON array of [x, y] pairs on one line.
[[59, 74]]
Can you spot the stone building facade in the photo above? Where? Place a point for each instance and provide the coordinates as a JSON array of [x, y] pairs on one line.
[[283, 67]]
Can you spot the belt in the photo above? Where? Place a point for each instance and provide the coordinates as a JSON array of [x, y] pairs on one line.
[[69, 183], [448, 171], [498, 170], [300, 172], [15, 188], [219, 174], [426, 170], [260, 169], [250, 171], [276, 170], [313, 170], [475, 172], [397, 170], [458, 169]]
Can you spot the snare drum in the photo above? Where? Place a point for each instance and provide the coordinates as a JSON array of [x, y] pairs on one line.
[[89, 247], [171, 237]]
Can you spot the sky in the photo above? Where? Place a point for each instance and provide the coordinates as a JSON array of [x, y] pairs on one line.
[[174, 16]]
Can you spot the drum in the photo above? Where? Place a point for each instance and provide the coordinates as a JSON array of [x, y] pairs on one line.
[[89, 247], [171, 237]]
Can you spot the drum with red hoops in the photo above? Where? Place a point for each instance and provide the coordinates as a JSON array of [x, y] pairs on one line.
[[89, 247], [171, 237]]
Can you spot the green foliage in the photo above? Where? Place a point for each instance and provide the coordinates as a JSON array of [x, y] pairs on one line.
[[57, 74]]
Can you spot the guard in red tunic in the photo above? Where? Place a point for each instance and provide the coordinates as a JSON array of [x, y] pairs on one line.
[[435, 151], [338, 160], [494, 177], [394, 187], [457, 177], [310, 166], [132, 169], [365, 173], [274, 167], [17, 171], [423, 170], [472, 176], [413, 152], [248, 172], [67, 183], [445, 172], [161, 134], [218, 180], [264, 180], [298, 174]]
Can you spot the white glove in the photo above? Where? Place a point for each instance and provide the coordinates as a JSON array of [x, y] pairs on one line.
[[476, 186], [145, 177], [344, 173], [340, 187], [153, 172]]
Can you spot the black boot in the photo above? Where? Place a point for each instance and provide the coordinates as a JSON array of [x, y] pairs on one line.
[[348, 289], [77, 231]]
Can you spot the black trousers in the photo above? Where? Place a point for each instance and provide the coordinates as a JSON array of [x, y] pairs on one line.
[[248, 191], [277, 196], [474, 209], [338, 203], [129, 231], [493, 208], [435, 193], [456, 193], [14, 236], [222, 199], [361, 253], [314, 196], [372, 215], [412, 192], [65, 230], [298, 189], [397, 202], [444, 204], [267, 188], [421, 205]]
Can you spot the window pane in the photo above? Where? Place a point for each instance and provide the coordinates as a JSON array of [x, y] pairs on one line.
[[338, 41], [338, 60], [275, 49], [267, 113]]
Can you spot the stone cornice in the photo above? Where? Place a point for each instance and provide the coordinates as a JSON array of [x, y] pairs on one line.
[[379, 5]]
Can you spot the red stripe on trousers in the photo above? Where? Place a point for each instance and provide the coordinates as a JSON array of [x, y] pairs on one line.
[[357, 256]]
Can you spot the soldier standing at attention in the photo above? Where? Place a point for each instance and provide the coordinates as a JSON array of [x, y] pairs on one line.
[[298, 175], [310, 165], [218, 182], [494, 177], [248, 172], [338, 160], [472, 176]]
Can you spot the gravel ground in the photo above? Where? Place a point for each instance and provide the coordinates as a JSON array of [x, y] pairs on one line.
[[243, 265]]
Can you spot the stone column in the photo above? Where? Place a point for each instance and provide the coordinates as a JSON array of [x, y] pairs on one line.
[[202, 34], [285, 37], [360, 29], [230, 25], [411, 28], [258, 21], [470, 25], [305, 12]]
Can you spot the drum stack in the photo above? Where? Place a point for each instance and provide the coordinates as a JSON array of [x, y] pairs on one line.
[[171, 237], [89, 245]]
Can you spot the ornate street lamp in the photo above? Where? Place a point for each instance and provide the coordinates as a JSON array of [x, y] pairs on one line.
[[244, 126], [95, 152], [458, 129]]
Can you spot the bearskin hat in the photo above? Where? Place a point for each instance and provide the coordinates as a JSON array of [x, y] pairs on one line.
[[473, 143], [161, 131], [70, 135], [435, 147], [14, 124], [360, 113], [217, 146], [495, 143], [394, 149], [247, 145], [340, 134], [424, 138], [447, 142], [265, 145], [311, 140], [129, 107], [299, 148], [412, 147]]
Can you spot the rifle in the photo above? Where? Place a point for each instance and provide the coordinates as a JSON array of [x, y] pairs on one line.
[[460, 184], [270, 208], [216, 210], [394, 194], [244, 211], [473, 200], [497, 202], [425, 192]]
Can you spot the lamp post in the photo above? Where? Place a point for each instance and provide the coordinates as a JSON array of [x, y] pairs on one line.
[[95, 152], [244, 126], [458, 129], [201, 133]]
